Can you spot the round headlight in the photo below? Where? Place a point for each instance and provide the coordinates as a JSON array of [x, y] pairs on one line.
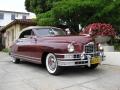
[[71, 48]]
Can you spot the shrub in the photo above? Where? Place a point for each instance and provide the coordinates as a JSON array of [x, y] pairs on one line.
[[6, 50], [102, 29], [116, 43]]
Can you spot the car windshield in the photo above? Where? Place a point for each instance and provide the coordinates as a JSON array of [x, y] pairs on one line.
[[49, 32]]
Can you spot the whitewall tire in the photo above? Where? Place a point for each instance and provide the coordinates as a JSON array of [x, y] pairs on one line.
[[52, 64]]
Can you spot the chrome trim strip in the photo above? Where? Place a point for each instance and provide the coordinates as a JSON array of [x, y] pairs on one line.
[[72, 54], [70, 63], [72, 59], [69, 58], [75, 53], [28, 59], [67, 53], [24, 56]]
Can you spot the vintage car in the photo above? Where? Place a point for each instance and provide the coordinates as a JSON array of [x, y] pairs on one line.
[[51, 47]]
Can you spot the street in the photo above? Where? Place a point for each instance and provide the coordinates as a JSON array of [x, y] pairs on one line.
[[28, 76]]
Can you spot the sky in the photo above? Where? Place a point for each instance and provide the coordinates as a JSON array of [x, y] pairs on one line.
[[14, 5]]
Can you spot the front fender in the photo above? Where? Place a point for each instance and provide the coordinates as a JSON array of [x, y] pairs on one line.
[[60, 47]]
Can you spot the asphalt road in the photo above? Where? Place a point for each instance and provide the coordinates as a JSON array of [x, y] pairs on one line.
[[27, 76]]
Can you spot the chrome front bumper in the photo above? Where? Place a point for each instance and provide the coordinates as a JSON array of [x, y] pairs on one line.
[[75, 60]]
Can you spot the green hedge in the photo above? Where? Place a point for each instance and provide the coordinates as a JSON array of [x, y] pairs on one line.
[[6, 50], [116, 43]]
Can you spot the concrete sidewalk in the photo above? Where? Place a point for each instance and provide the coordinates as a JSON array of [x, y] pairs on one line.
[[27, 76]]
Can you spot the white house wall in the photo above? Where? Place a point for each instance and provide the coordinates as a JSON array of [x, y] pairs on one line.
[[8, 39], [112, 58], [7, 17]]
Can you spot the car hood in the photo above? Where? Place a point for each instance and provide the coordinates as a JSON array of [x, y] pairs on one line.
[[67, 39]]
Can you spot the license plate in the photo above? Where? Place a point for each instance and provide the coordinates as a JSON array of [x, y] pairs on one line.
[[95, 60]]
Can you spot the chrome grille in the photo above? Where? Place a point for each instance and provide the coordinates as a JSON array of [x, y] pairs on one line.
[[89, 48]]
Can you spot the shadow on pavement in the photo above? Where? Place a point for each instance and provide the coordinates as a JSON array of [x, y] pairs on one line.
[[65, 70]]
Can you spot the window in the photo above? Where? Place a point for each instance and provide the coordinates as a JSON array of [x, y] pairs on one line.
[[26, 33], [12, 16], [1, 15], [23, 17], [43, 32], [58, 31]]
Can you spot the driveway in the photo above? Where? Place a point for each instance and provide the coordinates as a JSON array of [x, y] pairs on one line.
[[27, 76]]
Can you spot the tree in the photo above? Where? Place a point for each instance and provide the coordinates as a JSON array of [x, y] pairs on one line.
[[39, 6], [74, 12]]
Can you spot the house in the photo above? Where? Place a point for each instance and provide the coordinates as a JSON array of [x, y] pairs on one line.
[[10, 32], [8, 20], [9, 16]]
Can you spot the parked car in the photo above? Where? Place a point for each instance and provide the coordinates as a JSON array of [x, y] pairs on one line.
[[53, 48]]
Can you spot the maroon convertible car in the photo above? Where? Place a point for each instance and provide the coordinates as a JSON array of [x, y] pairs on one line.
[[53, 48]]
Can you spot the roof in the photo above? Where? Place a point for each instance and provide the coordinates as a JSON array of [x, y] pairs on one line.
[[35, 27], [19, 21], [14, 12]]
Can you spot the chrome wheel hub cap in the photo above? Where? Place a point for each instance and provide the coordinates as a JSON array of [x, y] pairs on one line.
[[52, 63]]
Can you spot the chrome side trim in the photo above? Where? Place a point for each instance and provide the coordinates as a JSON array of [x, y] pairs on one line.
[[23, 56], [30, 60]]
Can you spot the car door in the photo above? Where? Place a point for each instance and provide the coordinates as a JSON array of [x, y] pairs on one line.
[[22, 43], [27, 47]]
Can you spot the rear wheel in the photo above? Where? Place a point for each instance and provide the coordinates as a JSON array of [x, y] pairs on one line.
[[52, 64], [93, 66], [16, 60]]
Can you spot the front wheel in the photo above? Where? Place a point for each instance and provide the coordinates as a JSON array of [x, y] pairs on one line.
[[52, 64], [93, 66]]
